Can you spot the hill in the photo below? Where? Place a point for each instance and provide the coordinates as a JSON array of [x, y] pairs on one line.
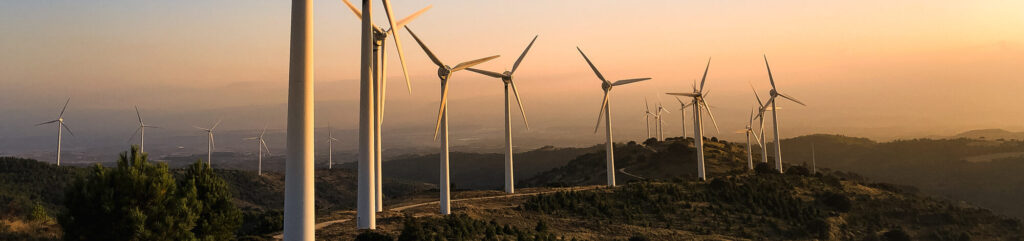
[[991, 134], [479, 170], [674, 157], [742, 206], [983, 172]]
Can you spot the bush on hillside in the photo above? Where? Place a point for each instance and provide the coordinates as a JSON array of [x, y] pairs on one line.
[[837, 201], [798, 171], [139, 200], [765, 168]]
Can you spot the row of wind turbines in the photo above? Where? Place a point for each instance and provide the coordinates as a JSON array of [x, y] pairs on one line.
[[299, 193]]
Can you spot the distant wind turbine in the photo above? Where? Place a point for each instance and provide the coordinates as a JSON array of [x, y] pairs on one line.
[[606, 110], [210, 145], [682, 112], [444, 73], [142, 130], [814, 164], [775, 114], [661, 120], [647, 117], [760, 117], [60, 127], [260, 146], [699, 99], [330, 147], [506, 77], [750, 130]]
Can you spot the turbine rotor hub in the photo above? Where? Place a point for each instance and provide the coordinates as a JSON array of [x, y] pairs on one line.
[[606, 86], [773, 92], [443, 72]]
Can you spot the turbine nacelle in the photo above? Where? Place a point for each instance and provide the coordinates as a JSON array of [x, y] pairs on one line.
[[606, 86], [444, 71]]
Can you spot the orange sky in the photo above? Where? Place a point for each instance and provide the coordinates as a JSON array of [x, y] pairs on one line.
[[880, 69]]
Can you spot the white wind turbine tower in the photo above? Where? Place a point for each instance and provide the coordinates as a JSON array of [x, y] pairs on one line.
[[368, 114], [60, 127], [379, 66], [606, 110], [210, 145], [330, 147], [760, 117], [444, 73], [682, 112], [299, 218], [699, 100], [661, 120], [260, 146], [506, 77], [748, 131], [814, 164], [142, 130], [647, 118], [775, 114]]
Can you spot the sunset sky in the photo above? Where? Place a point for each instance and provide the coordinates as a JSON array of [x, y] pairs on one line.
[[877, 69]]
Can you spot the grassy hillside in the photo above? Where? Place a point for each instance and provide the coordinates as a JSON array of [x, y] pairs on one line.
[[479, 170], [674, 157], [744, 206], [983, 172]]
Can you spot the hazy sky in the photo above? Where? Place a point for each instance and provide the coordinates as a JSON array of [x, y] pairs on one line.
[[878, 69]]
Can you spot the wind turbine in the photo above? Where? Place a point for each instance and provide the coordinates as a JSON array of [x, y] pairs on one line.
[[699, 99], [661, 121], [444, 73], [606, 110], [647, 117], [379, 66], [506, 77], [262, 145], [775, 114], [142, 129], [814, 165], [210, 145], [750, 130], [60, 127], [330, 147], [299, 215], [682, 108], [760, 117], [368, 121]]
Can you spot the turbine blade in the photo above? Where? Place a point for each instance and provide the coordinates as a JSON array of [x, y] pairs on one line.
[[647, 107], [216, 124], [708, 109], [487, 73], [398, 43], [627, 81], [756, 96], [433, 58], [250, 138], [67, 128], [355, 10], [599, 76], [758, 139], [471, 63], [604, 103], [684, 94], [441, 109], [702, 79], [138, 114], [520, 102], [48, 122], [133, 134], [520, 60], [63, 109], [384, 84], [265, 147], [406, 20], [792, 99], [770, 78]]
